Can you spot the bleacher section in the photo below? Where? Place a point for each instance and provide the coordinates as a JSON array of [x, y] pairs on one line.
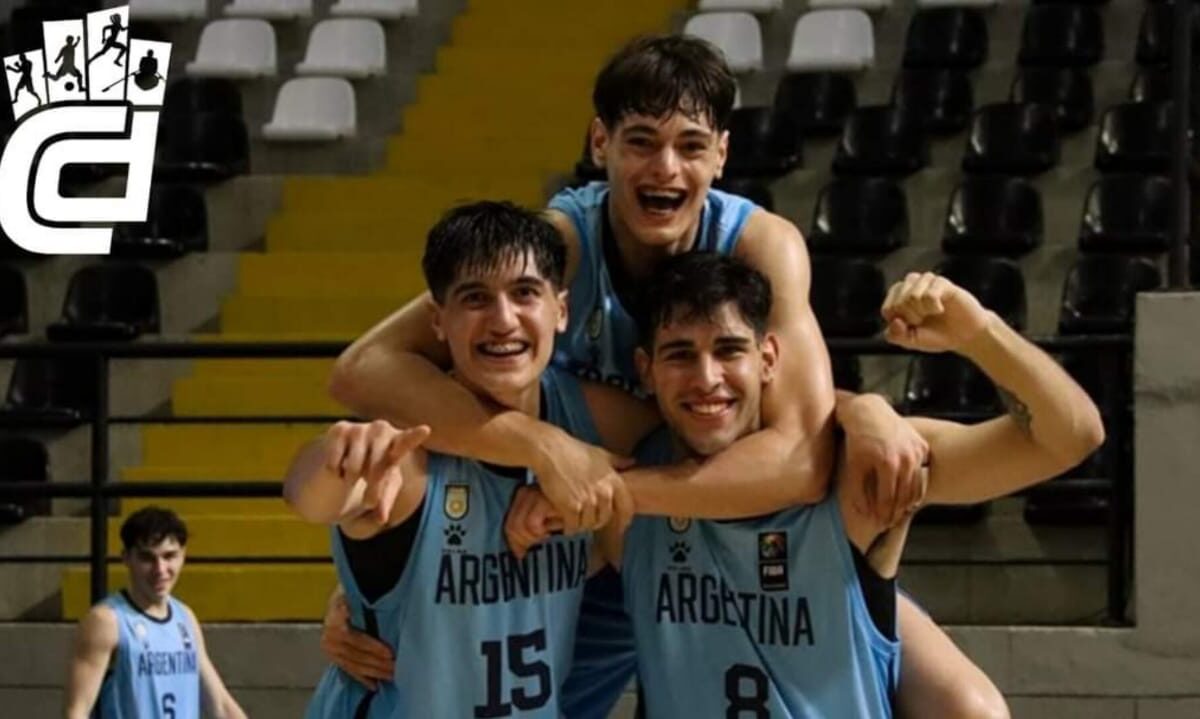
[[989, 141]]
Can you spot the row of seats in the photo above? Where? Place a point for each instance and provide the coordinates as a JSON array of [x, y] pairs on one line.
[[1015, 138], [1097, 297], [246, 49], [940, 101], [991, 215], [183, 10], [1053, 35], [106, 302]]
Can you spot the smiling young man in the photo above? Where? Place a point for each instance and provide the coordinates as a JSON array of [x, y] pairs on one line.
[[793, 613], [662, 105], [140, 653], [418, 541]]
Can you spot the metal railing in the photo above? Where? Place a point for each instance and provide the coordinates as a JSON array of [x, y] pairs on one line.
[[99, 490]]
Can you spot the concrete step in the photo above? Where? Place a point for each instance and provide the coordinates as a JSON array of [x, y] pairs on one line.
[[392, 193], [228, 592], [376, 231], [242, 536], [331, 274], [230, 447], [347, 317], [242, 396], [211, 507], [316, 370]]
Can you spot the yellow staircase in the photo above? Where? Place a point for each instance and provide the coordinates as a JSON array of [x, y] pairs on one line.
[[505, 110]]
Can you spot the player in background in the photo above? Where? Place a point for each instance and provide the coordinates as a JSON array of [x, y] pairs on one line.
[[140, 653], [418, 540]]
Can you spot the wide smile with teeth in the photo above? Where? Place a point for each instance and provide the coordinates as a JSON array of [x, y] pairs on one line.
[[661, 201], [709, 408], [502, 349]]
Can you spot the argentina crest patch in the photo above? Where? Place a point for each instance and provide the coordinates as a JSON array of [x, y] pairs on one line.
[[458, 501]]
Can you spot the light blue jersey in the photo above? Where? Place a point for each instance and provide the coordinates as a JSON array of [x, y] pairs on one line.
[[601, 335], [598, 345], [754, 618], [476, 632], [155, 672]]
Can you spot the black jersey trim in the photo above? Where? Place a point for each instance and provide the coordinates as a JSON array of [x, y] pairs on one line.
[[139, 610]]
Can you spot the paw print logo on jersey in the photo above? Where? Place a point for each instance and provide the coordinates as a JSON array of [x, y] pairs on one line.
[[454, 535], [680, 552], [77, 101]]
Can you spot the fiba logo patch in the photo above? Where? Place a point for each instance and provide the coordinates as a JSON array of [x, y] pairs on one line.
[[77, 102], [772, 561], [458, 501]]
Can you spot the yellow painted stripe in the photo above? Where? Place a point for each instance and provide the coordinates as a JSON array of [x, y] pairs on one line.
[[240, 397]]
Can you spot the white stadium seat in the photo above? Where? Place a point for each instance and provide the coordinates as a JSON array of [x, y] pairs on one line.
[[313, 109], [737, 34], [167, 10], [346, 47], [761, 7], [377, 9], [236, 49], [832, 40], [867, 5], [270, 9]]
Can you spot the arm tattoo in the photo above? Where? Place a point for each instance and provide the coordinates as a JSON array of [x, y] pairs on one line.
[[1017, 409]]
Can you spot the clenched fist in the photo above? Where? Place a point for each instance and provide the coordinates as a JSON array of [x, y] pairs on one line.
[[929, 313]]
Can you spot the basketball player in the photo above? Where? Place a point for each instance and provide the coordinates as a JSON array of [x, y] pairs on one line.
[[110, 35], [793, 613], [662, 106], [140, 654], [419, 545]]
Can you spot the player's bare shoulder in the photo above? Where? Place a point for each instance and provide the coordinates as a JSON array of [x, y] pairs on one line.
[[98, 628], [570, 236], [768, 238]]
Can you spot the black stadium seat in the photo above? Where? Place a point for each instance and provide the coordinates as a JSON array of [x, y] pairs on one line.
[[847, 372], [846, 296], [23, 460], [881, 140], [54, 391], [753, 190], [1127, 213], [203, 148], [997, 284], [176, 224], [1135, 137], [1062, 36], [1012, 138], [1067, 90], [191, 96], [108, 302], [940, 100], [946, 37], [761, 146], [1155, 42], [949, 387], [859, 216], [14, 304], [1100, 290], [993, 215], [816, 103]]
